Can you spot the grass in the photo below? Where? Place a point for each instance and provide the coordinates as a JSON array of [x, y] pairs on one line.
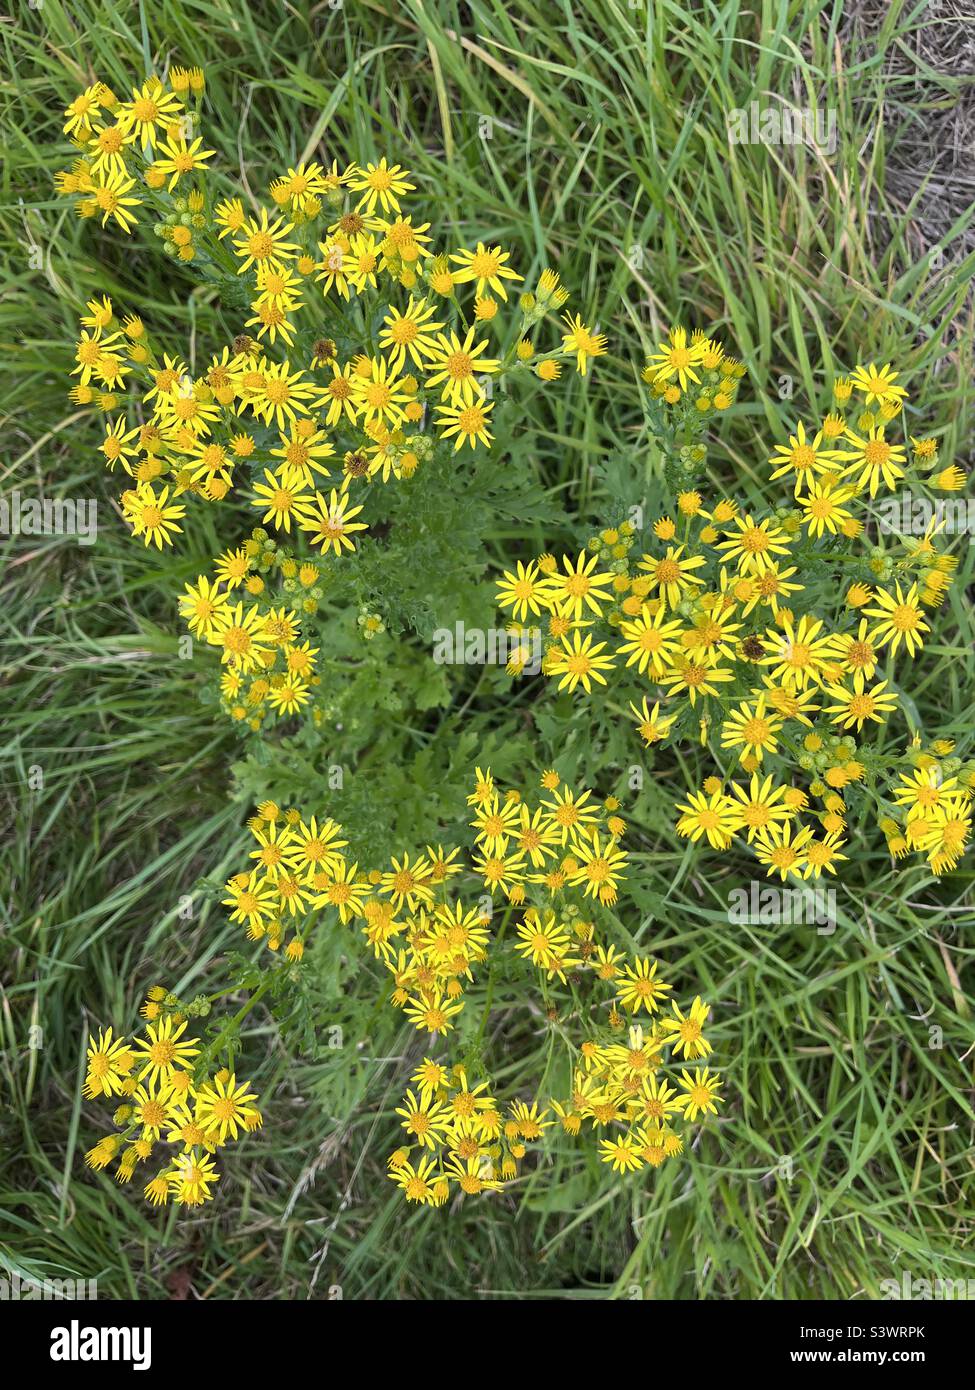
[[846, 1153]]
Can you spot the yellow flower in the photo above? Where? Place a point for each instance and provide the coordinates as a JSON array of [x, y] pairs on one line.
[[330, 524], [857, 706], [456, 365], [716, 817], [582, 341], [676, 357], [877, 384], [639, 987], [580, 661], [750, 729], [899, 619], [380, 183], [687, 1029], [650, 726], [487, 267], [700, 1093]]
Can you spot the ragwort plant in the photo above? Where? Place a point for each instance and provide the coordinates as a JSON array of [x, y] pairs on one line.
[[366, 359], [778, 639], [364, 355]]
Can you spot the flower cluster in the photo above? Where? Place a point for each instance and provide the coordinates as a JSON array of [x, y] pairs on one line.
[[717, 616], [250, 608], [387, 340], [166, 1096], [553, 862], [458, 1136], [623, 1092]]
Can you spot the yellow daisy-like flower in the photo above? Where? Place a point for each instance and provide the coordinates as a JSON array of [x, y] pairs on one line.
[[176, 158], [262, 242], [109, 1062], [804, 458], [151, 107], [418, 1183], [223, 1105], [676, 358], [798, 653], [650, 642], [200, 605], [687, 1030], [410, 332], [191, 1179], [694, 677], [253, 900], [112, 196], [164, 1050], [380, 183], [640, 988], [582, 342], [857, 707], [650, 726], [857, 653], [898, 619], [330, 524], [523, 591], [280, 502], [232, 567], [760, 804], [716, 817], [700, 1093], [580, 661], [751, 729], [241, 636], [338, 397], [289, 696], [456, 366], [823, 508], [877, 384], [579, 589], [600, 867], [378, 393], [426, 1121], [466, 424], [343, 891], [84, 110], [781, 848], [544, 941], [623, 1153], [152, 516], [487, 266], [754, 544], [433, 1012], [925, 790], [107, 147], [673, 575], [875, 459]]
